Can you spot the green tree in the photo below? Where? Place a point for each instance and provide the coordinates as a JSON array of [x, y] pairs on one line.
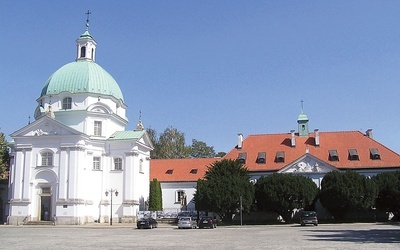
[[345, 191], [220, 154], [388, 199], [155, 196], [224, 183], [4, 157], [282, 193], [154, 154], [200, 149], [171, 144]]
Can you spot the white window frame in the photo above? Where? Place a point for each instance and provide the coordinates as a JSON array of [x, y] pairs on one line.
[[117, 163], [96, 163], [178, 195], [46, 158], [97, 128]]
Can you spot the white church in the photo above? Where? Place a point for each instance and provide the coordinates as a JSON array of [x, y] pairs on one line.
[[76, 163]]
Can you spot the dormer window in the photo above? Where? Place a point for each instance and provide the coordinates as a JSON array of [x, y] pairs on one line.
[[242, 157], [374, 154], [261, 157], [83, 51], [67, 103], [333, 155], [280, 157], [353, 155]]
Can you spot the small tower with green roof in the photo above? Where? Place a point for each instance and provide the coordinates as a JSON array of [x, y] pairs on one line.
[[302, 122]]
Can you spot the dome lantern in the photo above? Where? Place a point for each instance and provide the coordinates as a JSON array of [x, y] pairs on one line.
[[85, 44]]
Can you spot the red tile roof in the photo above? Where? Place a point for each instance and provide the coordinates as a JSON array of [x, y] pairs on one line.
[[340, 141], [181, 170], [172, 170]]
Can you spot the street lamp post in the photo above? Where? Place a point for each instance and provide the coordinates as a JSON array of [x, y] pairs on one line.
[[111, 191]]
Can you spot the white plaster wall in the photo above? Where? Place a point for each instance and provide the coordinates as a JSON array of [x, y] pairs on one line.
[[169, 190]]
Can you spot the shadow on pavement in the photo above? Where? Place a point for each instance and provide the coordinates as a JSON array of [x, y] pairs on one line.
[[367, 236]]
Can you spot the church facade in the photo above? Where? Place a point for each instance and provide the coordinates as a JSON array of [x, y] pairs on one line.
[[76, 163]]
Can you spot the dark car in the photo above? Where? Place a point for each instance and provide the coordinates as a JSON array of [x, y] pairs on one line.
[[308, 217], [146, 222], [207, 222]]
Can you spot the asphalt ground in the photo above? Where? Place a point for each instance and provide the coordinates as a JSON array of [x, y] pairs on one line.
[[123, 236]]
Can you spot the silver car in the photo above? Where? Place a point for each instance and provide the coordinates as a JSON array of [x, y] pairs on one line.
[[186, 222]]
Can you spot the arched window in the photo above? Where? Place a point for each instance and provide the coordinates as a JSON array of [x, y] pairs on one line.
[[117, 163], [67, 103], [47, 158], [83, 51]]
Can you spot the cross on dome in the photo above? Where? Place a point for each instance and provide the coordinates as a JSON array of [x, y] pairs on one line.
[[87, 19]]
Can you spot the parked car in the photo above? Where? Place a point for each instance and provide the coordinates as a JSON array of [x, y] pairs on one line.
[[186, 222], [207, 222], [308, 217], [147, 222]]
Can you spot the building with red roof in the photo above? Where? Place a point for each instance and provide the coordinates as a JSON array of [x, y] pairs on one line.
[[311, 154]]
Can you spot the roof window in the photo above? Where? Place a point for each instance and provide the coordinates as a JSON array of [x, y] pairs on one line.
[[333, 155], [193, 171], [280, 157], [261, 157], [242, 157], [353, 155], [374, 154], [169, 171]]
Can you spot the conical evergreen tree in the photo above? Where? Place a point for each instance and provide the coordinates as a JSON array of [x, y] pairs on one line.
[[155, 196]]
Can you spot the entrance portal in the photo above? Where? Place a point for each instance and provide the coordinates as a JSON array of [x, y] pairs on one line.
[[45, 204]]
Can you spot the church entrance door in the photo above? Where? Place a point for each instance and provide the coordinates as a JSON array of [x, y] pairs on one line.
[[45, 204]]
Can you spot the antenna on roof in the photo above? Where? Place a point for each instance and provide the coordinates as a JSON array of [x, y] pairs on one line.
[[29, 121], [87, 18], [302, 108]]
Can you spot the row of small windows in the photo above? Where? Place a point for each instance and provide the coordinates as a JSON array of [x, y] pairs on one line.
[[117, 164], [47, 160], [333, 156], [192, 171]]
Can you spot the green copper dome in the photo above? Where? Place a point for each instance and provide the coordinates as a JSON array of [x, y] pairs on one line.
[[82, 76], [302, 117]]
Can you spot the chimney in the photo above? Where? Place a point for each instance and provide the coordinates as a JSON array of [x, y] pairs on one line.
[[240, 141], [316, 135], [369, 133], [293, 141]]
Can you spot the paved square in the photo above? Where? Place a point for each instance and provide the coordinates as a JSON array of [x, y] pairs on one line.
[[325, 236]]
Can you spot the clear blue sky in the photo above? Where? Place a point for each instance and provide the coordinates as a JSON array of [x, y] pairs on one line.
[[213, 69]]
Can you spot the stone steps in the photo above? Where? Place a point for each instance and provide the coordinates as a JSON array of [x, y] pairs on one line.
[[39, 223]]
